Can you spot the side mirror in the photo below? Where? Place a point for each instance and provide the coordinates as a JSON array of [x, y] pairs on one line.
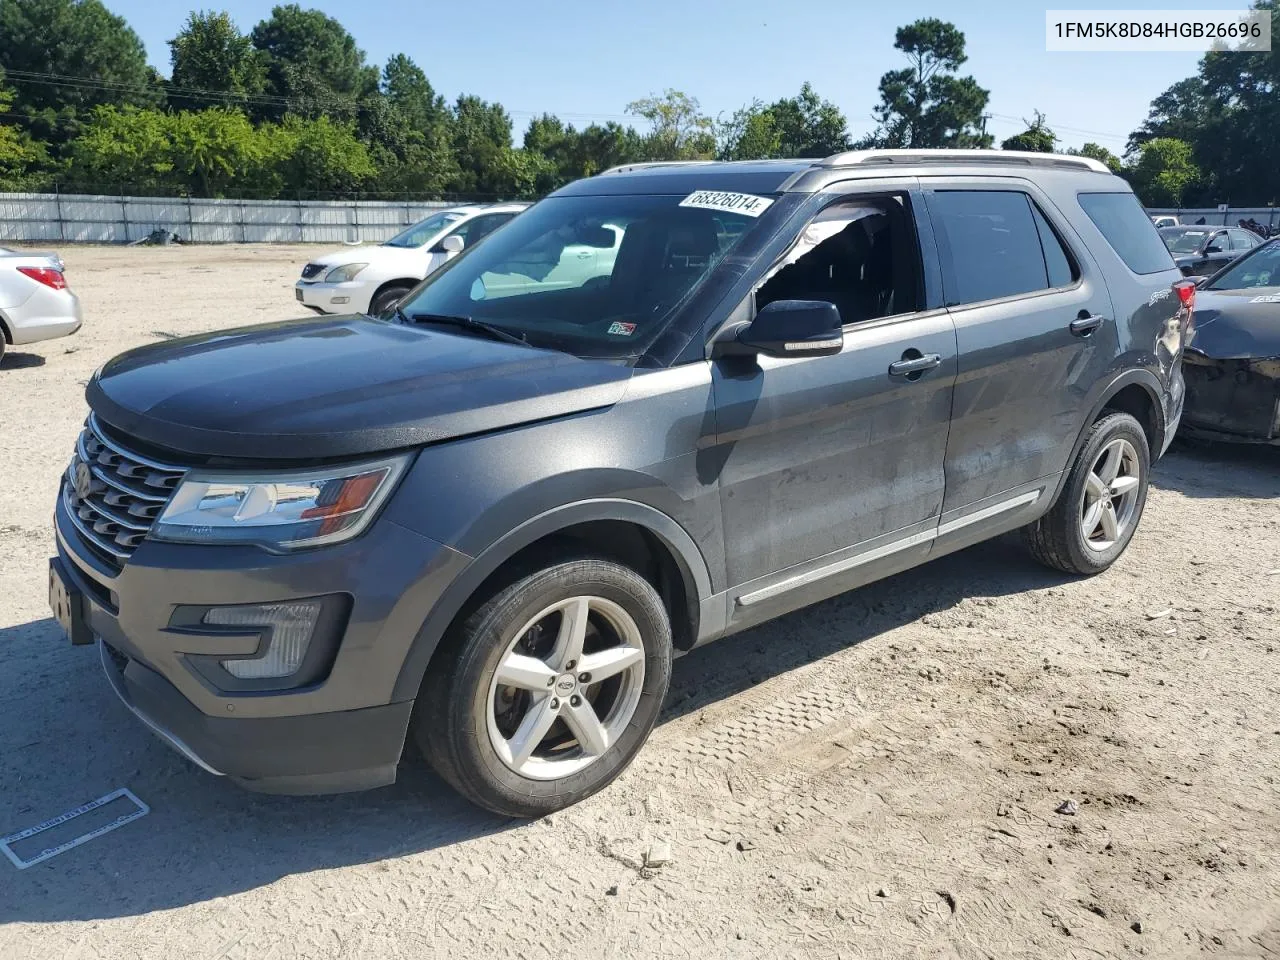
[[1200, 281], [450, 244], [791, 328]]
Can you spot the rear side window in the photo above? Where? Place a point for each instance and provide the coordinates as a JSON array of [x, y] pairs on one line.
[[1061, 270], [990, 245], [1121, 220]]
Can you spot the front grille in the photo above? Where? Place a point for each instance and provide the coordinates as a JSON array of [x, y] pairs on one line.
[[312, 270], [113, 495]]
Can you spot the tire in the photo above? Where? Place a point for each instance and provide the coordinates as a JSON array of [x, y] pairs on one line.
[[469, 725], [1059, 539], [384, 300]]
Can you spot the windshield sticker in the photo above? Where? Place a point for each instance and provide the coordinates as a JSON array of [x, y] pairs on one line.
[[1268, 298], [743, 203], [620, 329]]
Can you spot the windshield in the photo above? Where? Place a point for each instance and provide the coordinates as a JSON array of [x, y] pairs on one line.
[[1179, 240], [596, 276], [424, 230], [1261, 268]]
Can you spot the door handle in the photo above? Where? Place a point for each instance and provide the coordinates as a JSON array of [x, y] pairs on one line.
[[1085, 324], [904, 368]]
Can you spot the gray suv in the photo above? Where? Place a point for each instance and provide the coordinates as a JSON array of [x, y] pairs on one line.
[[489, 522]]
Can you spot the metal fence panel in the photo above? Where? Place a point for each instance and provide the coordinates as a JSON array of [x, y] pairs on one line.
[[101, 218]]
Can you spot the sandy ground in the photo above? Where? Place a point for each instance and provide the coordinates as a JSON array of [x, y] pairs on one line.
[[873, 777]]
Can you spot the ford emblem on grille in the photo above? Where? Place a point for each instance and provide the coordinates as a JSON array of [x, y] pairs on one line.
[[82, 480]]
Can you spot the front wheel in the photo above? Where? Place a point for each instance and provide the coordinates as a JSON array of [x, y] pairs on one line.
[[1098, 511], [549, 689], [385, 301]]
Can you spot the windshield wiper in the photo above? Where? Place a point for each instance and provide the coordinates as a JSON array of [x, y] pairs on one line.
[[465, 323]]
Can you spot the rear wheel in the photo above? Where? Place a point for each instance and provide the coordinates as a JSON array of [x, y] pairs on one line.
[[384, 301], [1100, 506], [545, 693]]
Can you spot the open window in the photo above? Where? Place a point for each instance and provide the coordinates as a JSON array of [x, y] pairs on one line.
[[859, 254]]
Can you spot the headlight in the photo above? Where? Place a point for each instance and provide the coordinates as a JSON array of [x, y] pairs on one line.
[[344, 273], [285, 510]]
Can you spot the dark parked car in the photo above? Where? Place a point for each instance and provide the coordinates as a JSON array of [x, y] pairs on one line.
[[491, 523], [1199, 251], [1232, 363]]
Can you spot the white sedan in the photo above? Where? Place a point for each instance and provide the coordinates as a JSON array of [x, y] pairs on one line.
[[370, 279], [35, 303]]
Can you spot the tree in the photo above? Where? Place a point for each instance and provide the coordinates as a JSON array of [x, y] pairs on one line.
[[800, 126], [926, 104], [210, 53], [1164, 172], [1097, 152], [481, 135], [24, 162], [678, 128], [410, 93], [71, 38], [313, 62], [573, 154], [1228, 113], [317, 155], [1037, 138]]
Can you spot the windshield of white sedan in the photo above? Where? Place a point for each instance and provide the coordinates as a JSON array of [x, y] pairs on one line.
[[595, 276], [1261, 269], [424, 230]]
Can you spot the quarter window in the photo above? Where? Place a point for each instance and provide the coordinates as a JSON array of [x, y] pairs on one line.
[[992, 246], [1127, 228]]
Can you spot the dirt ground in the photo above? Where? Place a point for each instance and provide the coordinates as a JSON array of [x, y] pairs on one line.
[[872, 777]]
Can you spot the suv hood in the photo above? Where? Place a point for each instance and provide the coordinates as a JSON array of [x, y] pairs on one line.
[[374, 253], [337, 387]]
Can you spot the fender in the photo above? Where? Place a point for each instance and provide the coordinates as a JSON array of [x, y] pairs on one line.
[[689, 559], [1143, 378]]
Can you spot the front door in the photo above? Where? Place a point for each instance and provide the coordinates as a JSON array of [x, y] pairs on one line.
[[831, 468]]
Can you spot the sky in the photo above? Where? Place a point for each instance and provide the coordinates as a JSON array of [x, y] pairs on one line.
[[586, 62]]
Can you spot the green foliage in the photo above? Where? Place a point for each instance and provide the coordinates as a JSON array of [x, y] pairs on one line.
[[678, 128], [801, 126], [1097, 152], [1164, 172], [313, 62], [210, 53], [24, 162], [78, 38], [218, 152], [926, 104], [1037, 138], [1228, 113]]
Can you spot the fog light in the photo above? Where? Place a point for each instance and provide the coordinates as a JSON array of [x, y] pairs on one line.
[[287, 628], [339, 299]]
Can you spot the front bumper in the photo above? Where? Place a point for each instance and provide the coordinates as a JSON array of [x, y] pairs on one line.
[[350, 297], [1234, 400], [345, 731]]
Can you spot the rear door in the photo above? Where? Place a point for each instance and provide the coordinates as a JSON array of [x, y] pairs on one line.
[[1035, 332], [831, 468]]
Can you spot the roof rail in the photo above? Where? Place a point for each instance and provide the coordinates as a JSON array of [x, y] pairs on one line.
[[852, 158], [649, 164]]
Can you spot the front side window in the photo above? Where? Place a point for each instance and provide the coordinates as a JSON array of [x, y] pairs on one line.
[[477, 228], [1259, 269], [424, 230], [860, 255], [596, 276], [990, 245], [1123, 223]]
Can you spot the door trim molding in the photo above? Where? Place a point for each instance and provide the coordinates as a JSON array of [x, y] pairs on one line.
[[845, 564]]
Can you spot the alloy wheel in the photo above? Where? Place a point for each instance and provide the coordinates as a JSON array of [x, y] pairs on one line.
[[1111, 495]]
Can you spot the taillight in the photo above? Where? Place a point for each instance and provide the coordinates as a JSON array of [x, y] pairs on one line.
[[1186, 290], [46, 275]]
